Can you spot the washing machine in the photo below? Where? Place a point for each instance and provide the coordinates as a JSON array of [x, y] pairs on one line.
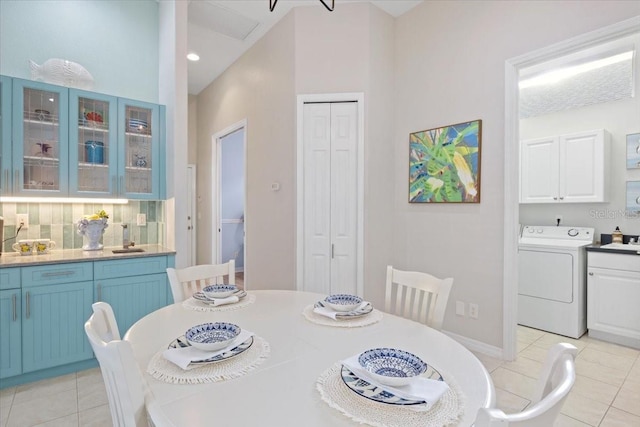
[[552, 264]]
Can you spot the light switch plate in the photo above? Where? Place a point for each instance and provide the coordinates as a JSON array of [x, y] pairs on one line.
[[141, 219], [460, 308]]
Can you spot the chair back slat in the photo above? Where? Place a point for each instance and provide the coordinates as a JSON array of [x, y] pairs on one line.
[[187, 281], [418, 296]]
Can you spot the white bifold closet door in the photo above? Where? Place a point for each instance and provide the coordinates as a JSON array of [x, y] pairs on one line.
[[330, 197]]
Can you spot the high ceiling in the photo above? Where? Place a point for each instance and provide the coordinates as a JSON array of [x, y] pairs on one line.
[[220, 31]]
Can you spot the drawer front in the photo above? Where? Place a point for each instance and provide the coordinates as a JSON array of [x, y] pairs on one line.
[[9, 278], [130, 267], [629, 262], [54, 274]]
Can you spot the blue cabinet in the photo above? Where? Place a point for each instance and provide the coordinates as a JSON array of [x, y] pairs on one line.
[[10, 323], [53, 325], [58, 141], [6, 170], [40, 130], [133, 287]]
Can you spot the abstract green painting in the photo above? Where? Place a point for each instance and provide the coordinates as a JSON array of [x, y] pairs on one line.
[[444, 164]]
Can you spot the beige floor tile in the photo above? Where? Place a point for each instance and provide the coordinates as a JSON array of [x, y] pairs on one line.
[[522, 345], [490, 363], [96, 417], [628, 398], [565, 421], [56, 405], [90, 376], [618, 418], [584, 409], [599, 372], [4, 416], [513, 382], [611, 348], [510, 403], [594, 389], [529, 335], [525, 366], [534, 352], [68, 421], [44, 388], [92, 395], [634, 373], [6, 396], [548, 340], [622, 363]]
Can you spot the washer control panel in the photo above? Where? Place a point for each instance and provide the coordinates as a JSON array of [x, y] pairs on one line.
[[551, 232]]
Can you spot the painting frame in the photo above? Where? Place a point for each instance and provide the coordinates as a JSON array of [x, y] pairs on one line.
[[445, 164], [633, 151], [632, 197]]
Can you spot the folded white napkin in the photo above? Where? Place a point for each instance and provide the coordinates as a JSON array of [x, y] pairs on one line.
[[182, 356], [331, 313], [222, 301], [418, 389]]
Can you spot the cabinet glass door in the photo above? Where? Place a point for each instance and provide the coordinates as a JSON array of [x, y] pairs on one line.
[[140, 147], [40, 143], [93, 143], [5, 135]]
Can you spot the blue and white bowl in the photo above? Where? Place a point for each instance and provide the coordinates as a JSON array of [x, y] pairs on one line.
[[219, 291], [343, 302], [391, 366], [137, 124], [212, 336]]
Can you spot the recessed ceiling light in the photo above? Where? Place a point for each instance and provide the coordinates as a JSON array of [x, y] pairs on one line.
[[193, 57]]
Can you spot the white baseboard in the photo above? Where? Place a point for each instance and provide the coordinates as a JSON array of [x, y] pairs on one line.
[[475, 345]]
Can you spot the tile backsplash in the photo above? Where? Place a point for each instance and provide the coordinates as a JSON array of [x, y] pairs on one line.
[[57, 221]]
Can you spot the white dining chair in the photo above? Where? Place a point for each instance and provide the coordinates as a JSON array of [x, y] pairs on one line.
[[130, 403], [556, 380], [417, 296], [186, 281]]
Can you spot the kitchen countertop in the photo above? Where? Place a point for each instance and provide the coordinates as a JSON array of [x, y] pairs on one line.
[[14, 259], [598, 248]]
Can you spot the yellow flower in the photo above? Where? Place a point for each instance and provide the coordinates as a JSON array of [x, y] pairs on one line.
[[464, 173]]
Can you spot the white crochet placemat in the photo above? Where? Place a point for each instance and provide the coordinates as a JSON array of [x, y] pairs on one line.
[[365, 411], [371, 318], [163, 370], [193, 304]]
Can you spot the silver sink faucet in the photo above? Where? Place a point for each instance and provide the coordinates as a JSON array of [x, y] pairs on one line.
[[125, 237]]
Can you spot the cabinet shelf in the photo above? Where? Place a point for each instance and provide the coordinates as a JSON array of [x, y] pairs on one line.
[[98, 128], [143, 135], [137, 168], [85, 165], [41, 122], [38, 161]]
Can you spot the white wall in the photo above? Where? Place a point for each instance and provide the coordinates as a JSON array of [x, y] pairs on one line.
[[450, 68], [116, 41]]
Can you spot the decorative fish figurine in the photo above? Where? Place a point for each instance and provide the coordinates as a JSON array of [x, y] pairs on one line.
[[62, 72]]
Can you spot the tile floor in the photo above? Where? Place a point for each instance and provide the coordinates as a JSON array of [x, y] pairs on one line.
[[606, 392], [607, 388]]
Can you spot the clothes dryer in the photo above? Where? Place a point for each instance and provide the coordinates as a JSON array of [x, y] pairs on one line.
[[552, 278]]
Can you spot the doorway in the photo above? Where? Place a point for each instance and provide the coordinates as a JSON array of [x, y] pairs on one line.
[[231, 198], [330, 193], [191, 212], [513, 68]]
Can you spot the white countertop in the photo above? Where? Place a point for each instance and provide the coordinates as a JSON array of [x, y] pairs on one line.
[[14, 259]]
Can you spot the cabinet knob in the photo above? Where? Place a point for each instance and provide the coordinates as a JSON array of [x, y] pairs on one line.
[[555, 198], [189, 228], [562, 198], [590, 273]]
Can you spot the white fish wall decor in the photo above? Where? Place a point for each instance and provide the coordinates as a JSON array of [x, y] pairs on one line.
[[62, 72]]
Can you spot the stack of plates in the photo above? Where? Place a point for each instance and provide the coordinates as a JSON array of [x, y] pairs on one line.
[[137, 125]]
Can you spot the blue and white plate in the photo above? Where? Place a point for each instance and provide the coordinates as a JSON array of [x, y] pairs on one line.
[[343, 302], [181, 342], [345, 315], [203, 298], [219, 291], [378, 394], [212, 336], [392, 366], [137, 124]]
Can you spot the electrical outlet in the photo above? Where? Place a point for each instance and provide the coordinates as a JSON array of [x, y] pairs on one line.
[[460, 308], [141, 219], [22, 219], [473, 311], [558, 219]]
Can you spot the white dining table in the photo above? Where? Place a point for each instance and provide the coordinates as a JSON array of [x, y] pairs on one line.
[[282, 390]]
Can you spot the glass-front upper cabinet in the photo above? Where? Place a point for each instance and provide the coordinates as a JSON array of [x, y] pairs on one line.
[[139, 142], [93, 144], [40, 138], [6, 177]]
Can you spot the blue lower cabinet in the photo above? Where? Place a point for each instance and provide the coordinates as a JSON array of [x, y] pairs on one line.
[[10, 333], [53, 318], [133, 297]]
